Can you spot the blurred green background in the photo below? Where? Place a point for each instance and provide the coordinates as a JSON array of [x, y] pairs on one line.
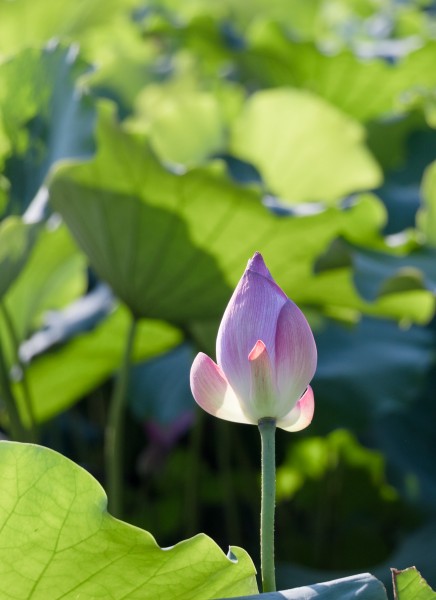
[[146, 151]]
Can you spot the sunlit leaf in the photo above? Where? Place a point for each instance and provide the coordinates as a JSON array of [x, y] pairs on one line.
[[27, 23], [170, 246], [364, 89], [185, 127], [305, 148], [410, 585], [53, 515], [61, 377]]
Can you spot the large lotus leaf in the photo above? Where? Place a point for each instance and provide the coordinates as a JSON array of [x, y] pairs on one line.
[[289, 12], [363, 586], [305, 148], [411, 303], [16, 241], [363, 89], [410, 585], [127, 61], [54, 275], [380, 367], [171, 246], [185, 126], [417, 68], [58, 541], [27, 23], [58, 379], [46, 115]]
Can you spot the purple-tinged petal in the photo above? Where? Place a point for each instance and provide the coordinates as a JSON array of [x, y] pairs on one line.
[[301, 415], [263, 393], [212, 391], [295, 355], [257, 265], [251, 315]]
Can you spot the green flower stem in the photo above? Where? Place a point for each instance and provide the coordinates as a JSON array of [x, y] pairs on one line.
[[115, 429], [23, 381], [267, 428]]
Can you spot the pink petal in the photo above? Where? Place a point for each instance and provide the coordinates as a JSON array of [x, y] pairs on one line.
[[295, 355], [212, 391], [263, 393], [301, 415], [251, 315], [257, 265]]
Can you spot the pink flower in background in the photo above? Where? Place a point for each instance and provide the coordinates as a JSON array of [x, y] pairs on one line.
[[266, 357]]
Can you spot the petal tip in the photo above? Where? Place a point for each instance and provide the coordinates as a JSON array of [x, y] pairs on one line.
[[257, 265], [301, 415], [258, 349]]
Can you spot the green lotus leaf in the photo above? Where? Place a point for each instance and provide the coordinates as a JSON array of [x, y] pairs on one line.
[[58, 379], [363, 586], [171, 246], [27, 23], [58, 541], [305, 148], [344, 80], [410, 585]]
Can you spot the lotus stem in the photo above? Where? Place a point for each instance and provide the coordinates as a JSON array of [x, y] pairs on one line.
[[267, 428]]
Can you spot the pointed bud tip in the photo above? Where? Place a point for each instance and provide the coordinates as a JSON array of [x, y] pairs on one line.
[[257, 264]]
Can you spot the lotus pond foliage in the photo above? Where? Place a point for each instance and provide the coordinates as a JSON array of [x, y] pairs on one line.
[[148, 149]]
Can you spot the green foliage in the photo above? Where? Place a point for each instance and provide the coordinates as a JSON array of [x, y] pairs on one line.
[[57, 379], [427, 215], [170, 141], [325, 532], [54, 516], [46, 116], [315, 134], [409, 585], [16, 240], [53, 276]]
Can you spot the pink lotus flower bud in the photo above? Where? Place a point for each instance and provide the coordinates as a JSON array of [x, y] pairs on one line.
[[266, 357]]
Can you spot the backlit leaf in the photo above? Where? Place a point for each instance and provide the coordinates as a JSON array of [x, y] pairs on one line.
[[305, 148], [53, 516]]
